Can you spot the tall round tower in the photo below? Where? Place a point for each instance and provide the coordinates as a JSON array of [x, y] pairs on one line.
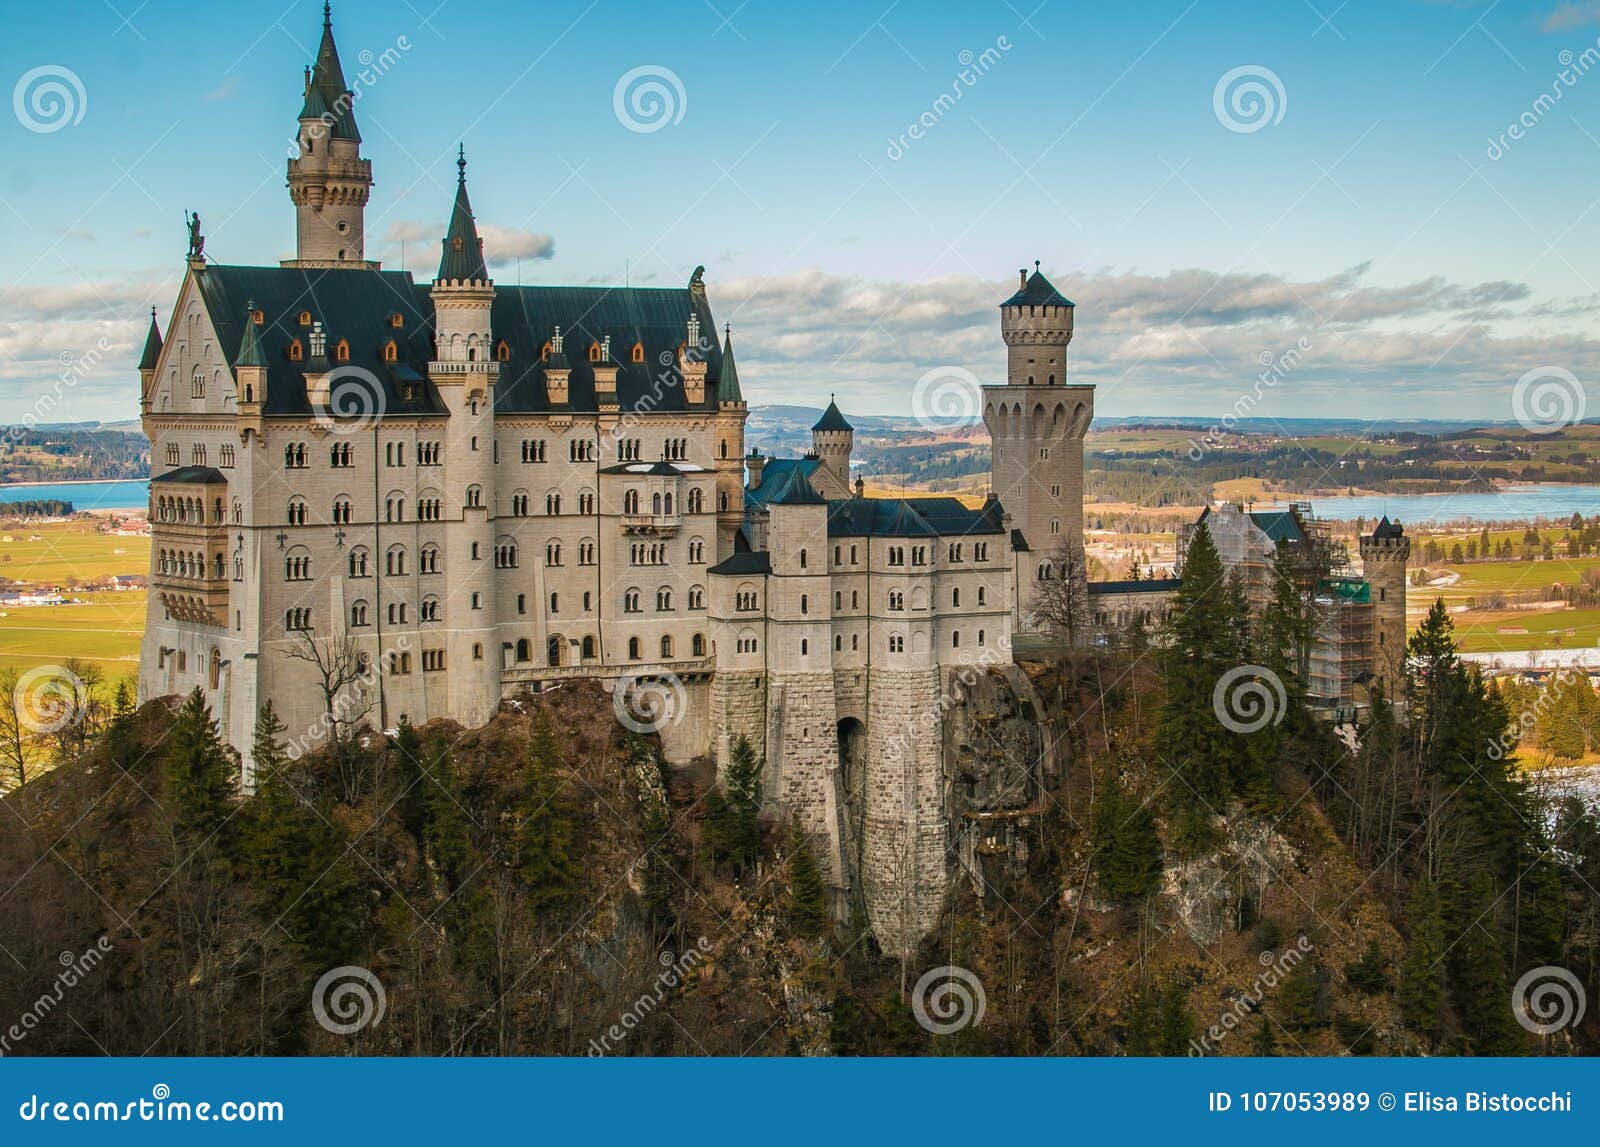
[[832, 440], [329, 182], [1384, 554], [1036, 424]]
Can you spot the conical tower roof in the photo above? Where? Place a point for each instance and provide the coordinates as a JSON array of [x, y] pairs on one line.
[[728, 381], [462, 259], [327, 97], [152, 345]]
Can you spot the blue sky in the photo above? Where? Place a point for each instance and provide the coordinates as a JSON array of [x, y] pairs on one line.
[[1365, 215]]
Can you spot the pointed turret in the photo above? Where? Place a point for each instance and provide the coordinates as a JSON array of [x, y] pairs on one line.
[[149, 360], [462, 260], [832, 440], [327, 97], [728, 381], [152, 345], [329, 182], [250, 342]]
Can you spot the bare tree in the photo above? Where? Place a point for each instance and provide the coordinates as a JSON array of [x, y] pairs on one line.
[[345, 676], [1061, 607], [16, 748]]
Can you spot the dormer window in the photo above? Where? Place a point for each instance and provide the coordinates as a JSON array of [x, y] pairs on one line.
[[397, 320], [296, 351], [305, 318], [638, 352], [544, 352], [391, 353], [502, 351], [456, 244], [594, 352], [341, 351], [258, 317]]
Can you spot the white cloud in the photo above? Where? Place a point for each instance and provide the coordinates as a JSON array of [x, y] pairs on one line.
[[502, 244]]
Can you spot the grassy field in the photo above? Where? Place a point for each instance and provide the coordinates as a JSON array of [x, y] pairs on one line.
[[69, 552], [105, 629]]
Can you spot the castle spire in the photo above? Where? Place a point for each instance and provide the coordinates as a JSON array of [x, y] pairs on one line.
[[462, 258], [327, 97], [250, 342], [728, 380], [152, 344]]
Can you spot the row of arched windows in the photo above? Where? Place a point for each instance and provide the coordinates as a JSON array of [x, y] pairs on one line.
[[189, 564]]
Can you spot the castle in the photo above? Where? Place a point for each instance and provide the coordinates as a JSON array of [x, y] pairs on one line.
[[380, 500]]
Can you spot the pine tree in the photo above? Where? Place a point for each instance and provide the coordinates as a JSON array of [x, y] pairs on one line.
[[448, 833], [545, 836], [733, 816], [1127, 846], [411, 801], [1422, 972], [1206, 639], [1301, 1006], [1479, 987], [808, 901], [196, 769], [1369, 974], [1264, 1043], [1176, 1028]]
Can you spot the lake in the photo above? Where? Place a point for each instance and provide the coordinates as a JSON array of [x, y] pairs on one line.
[[1515, 503], [130, 495]]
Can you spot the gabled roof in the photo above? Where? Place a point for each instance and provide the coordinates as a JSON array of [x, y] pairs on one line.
[[327, 96], [193, 476], [792, 487], [1038, 291], [462, 257], [832, 419], [774, 477], [1278, 525], [1388, 529], [152, 345], [352, 303]]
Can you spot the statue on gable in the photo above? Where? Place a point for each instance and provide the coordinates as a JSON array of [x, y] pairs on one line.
[[197, 241]]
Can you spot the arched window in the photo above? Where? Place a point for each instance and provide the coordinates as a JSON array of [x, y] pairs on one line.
[[358, 562], [296, 351], [358, 614], [588, 647], [502, 351], [638, 352], [341, 351], [391, 353], [663, 598], [524, 649], [666, 647], [633, 649], [697, 645]]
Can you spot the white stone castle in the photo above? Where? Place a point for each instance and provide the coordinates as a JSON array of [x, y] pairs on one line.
[[475, 491]]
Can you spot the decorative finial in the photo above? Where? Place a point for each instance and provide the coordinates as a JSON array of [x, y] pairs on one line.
[[461, 161], [153, 313], [727, 330], [555, 341], [1036, 266], [327, 14]]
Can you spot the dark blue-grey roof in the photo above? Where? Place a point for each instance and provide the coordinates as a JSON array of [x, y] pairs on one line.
[[193, 476], [910, 518], [152, 345], [832, 419], [756, 562], [792, 487], [1037, 291], [359, 305], [775, 478], [461, 256], [1148, 585], [327, 97], [1388, 529]]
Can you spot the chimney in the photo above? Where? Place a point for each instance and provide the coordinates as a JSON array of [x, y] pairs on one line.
[[755, 463], [1022, 276]]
